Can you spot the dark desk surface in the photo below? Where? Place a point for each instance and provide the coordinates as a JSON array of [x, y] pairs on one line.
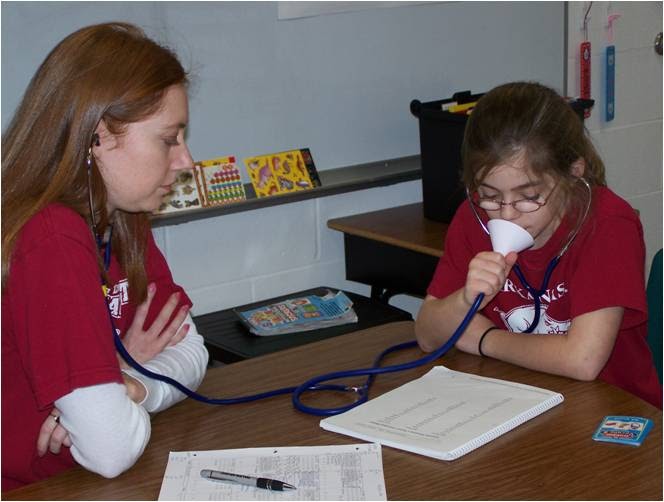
[[551, 457]]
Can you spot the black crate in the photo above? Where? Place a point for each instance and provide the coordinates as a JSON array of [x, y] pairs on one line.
[[441, 136]]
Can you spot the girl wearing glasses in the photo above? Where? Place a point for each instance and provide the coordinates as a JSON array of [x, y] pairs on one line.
[[527, 159]]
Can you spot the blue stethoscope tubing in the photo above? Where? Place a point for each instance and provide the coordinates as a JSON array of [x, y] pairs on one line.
[[313, 384], [536, 293]]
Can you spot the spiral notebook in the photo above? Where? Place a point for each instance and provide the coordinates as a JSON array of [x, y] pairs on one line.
[[444, 414]]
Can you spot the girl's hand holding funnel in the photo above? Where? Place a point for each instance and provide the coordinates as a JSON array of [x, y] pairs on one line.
[[488, 270]]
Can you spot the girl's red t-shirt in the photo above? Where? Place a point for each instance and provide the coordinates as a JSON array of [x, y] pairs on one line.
[[604, 267]]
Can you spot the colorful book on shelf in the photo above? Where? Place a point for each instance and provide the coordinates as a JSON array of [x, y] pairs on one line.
[[210, 183], [444, 414], [219, 181], [303, 313], [282, 172], [183, 195]]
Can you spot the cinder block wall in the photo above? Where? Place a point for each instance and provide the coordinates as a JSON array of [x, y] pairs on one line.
[[631, 144], [244, 257]]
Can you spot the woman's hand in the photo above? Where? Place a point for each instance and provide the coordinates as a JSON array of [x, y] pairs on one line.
[[144, 345], [52, 435], [487, 272]]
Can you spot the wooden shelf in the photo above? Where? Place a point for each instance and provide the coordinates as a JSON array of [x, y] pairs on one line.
[[334, 181]]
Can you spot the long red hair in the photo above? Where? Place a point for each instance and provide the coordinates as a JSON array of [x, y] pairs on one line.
[[111, 72]]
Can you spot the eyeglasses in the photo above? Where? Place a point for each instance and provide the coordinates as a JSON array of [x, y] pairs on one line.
[[521, 205]]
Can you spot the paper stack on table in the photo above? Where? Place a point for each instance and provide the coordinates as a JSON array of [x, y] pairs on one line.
[[340, 472]]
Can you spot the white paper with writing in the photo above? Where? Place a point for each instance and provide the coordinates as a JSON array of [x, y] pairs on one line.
[[444, 414], [340, 472]]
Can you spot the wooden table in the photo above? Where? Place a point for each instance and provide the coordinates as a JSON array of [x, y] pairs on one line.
[[394, 250], [551, 457]]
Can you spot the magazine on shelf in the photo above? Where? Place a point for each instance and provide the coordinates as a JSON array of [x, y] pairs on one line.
[[282, 172], [209, 183], [219, 181], [183, 194], [302, 313]]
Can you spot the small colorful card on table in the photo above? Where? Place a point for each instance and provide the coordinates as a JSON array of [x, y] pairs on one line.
[[623, 429]]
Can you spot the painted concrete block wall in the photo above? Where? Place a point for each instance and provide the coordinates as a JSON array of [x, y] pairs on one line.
[[339, 84], [631, 144], [303, 252], [244, 257]]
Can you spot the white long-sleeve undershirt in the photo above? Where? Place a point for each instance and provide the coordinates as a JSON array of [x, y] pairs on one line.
[[108, 430], [185, 362]]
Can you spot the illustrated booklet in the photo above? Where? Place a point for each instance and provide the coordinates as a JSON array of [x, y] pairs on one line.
[[282, 172], [210, 183], [302, 313], [444, 414], [183, 194], [219, 181]]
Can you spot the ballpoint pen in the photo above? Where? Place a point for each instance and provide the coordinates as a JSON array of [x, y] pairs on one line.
[[265, 483]]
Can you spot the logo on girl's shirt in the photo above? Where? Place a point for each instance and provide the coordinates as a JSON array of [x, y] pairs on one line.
[[519, 318], [550, 296], [118, 297]]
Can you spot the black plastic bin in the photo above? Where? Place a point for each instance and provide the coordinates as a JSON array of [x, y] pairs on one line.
[[441, 136]]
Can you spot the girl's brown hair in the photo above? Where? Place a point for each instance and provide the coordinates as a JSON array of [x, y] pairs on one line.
[[530, 119], [109, 72]]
